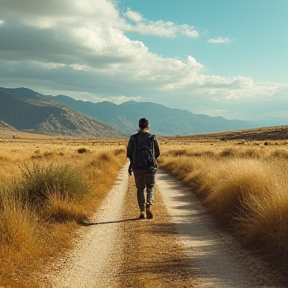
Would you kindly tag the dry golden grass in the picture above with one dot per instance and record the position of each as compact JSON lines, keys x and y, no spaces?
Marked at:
{"x":47,"y":187}
{"x":243,"y":182}
{"x":243,"y":186}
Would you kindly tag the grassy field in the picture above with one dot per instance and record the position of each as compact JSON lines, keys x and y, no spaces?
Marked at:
{"x":242,"y":183}
{"x":48,"y":186}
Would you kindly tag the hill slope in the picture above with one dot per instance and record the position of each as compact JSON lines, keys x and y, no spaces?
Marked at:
{"x":38,"y":114}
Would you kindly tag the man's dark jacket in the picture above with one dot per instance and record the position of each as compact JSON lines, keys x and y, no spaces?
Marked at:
{"x":131,"y":151}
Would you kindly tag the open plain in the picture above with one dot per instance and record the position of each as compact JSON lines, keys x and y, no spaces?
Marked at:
{"x":183,"y":246}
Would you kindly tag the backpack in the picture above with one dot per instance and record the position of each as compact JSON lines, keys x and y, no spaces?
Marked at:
{"x":145,"y":156}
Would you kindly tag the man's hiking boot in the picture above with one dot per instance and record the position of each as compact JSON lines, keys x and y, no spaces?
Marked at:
{"x":148,"y":212}
{"x":142,"y":215}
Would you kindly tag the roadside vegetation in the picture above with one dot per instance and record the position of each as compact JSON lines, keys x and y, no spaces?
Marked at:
{"x":49,"y":186}
{"x":243,"y":185}
{"x":47,"y":189}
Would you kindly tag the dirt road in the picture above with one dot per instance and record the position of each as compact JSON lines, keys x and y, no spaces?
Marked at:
{"x":180,"y":247}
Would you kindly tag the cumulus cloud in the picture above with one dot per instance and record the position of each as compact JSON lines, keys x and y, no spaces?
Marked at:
{"x":134,"y":16}
{"x":160,"y":28}
{"x":221,"y":40}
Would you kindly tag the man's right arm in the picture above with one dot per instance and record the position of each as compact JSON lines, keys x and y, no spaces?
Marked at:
{"x":130,"y":149}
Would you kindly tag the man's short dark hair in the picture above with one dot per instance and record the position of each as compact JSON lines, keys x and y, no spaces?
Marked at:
{"x":143,"y":123}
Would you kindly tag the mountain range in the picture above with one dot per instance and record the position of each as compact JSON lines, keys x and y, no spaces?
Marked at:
{"x":29,"y":111}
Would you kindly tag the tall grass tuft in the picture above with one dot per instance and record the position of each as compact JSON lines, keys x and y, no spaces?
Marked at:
{"x":15,"y":225}
{"x":265,"y":228}
{"x":235,"y":181}
{"x":279,"y":153}
{"x":21,"y":234}
{"x":39,"y":182}
{"x":61,"y":208}
{"x":82,"y":150}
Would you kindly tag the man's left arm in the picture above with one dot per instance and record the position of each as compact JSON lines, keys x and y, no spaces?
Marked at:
{"x":130,"y":150}
{"x":156,"y":147}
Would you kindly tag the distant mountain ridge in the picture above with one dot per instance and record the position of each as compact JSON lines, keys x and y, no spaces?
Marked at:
{"x":26,"y":110}
{"x":163,"y":120}
{"x":116,"y":120}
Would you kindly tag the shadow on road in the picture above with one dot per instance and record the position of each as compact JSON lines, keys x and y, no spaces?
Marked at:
{"x":89,"y":222}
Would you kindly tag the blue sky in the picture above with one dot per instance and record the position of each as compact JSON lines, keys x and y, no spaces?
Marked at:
{"x":224,"y":58}
{"x":254,"y":35}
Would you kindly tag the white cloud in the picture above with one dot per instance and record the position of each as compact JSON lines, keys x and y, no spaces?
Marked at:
{"x":157,"y":28}
{"x":79,"y":48}
{"x":135,"y":16}
{"x":221,"y":40}
{"x":94,"y":98}
{"x":161,"y":29}
{"x":188,"y":31}
{"x":122,"y":99}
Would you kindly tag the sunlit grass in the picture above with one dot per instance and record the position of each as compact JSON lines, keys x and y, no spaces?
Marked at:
{"x":48,"y":189}
{"x":243,"y":187}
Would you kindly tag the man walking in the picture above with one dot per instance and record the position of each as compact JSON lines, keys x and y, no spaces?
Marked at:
{"x":143,"y":151}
